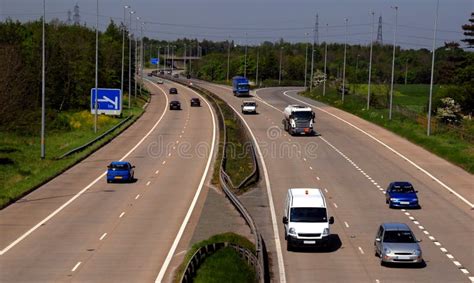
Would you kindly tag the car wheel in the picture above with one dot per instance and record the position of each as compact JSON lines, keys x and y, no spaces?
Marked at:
{"x":390,"y":204}
{"x":288,"y":246}
{"x":382,"y":263}
{"x":108,"y":181}
{"x":386,"y":201}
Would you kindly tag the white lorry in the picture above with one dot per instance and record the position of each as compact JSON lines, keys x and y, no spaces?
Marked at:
{"x":249,"y":106}
{"x":298,"y":120}
{"x":305,"y":218}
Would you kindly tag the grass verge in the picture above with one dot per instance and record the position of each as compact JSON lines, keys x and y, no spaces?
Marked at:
{"x":22,"y":170}
{"x":228,"y":237}
{"x":225,"y":266}
{"x":444,"y":142}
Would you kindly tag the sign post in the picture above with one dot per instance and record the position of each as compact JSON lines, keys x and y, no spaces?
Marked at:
{"x":109,"y":101}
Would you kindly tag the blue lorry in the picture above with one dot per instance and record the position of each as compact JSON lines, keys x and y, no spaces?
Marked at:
{"x":240,"y":86}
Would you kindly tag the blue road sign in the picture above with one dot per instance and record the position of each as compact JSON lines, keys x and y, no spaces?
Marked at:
{"x":109,"y":101}
{"x":155,"y":61}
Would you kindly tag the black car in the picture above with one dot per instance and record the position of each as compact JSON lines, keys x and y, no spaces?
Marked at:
{"x":175,"y":105}
{"x":195,"y":102}
{"x":173,"y":90}
{"x":188,"y":76}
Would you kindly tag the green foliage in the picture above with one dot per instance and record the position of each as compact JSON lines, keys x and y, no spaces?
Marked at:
{"x":228,"y":237}
{"x":70,"y":68}
{"x":225,"y":265}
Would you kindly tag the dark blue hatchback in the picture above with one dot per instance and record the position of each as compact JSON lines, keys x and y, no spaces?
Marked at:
{"x":120,"y":171}
{"x":401,"y":194}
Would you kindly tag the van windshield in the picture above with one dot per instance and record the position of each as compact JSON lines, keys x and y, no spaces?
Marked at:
{"x":308,"y":214}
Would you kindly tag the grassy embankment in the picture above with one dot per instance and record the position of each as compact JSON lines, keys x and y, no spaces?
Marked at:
{"x":21,"y":168}
{"x":454,"y":144}
{"x":223,"y":266}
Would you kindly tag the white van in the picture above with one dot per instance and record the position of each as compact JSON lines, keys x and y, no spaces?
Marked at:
{"x":305,"y":218}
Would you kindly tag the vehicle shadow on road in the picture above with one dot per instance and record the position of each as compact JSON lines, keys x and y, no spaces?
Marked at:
{"x":405,"y":266}
{"x":334,"y":245}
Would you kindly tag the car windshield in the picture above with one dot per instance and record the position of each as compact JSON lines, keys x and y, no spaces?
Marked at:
{"x":249,"y":103}
{"x":308,"y":214}
{"x":119,"y":166}
{"x":302,"y":115}
{"x":398,"y":237}
{"x":403,"y":189}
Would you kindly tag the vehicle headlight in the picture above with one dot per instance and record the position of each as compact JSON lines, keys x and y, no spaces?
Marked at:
{"x":293,"y":124}
{"x":292,"y":231}
{"x":387,"y":251}
{"x":417,"y":252}
{"x":326,"y":231}
{"x":393,"y":199}
{"x":415,"y":199}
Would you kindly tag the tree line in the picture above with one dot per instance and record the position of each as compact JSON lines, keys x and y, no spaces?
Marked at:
{"x":70,"y":69}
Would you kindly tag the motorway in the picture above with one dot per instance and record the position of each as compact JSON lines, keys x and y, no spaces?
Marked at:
{"x":353,"y":161}
{"x":79,"y":228}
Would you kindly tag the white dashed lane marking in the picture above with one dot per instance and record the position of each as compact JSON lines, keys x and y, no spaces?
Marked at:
{"x":346,"y":224}
{"x":76,"y":266}
{"x":148,"y":183}
{"x":102,"y":237}
{"x":122,"y":214}
{"x":361,"y":250}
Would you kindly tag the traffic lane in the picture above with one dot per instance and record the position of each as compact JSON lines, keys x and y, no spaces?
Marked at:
{"x":143,"y":239}
{"x":460,"y":180}
{"x":286,"y":172}
{"x":95,"y":213}
{"x":382,"y":168}
{"x":367,"y":236}
{"x":25,"y":213}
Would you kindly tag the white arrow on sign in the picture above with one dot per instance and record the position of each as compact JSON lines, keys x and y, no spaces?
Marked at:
{"x":106,"y":99}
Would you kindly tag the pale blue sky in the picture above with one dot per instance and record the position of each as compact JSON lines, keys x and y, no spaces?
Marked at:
{"x":266,"y":19}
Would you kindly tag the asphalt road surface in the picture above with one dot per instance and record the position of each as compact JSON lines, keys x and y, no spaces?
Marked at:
{"x":80,"y":228}
{"x":353,"y":161}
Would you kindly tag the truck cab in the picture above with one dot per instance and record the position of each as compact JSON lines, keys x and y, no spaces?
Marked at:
{"x":306,"y":222}
{"x":240,"y":86}
{"x":299,"y":120}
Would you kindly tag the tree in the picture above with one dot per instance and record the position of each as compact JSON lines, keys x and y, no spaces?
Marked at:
{"x":469,"y":32}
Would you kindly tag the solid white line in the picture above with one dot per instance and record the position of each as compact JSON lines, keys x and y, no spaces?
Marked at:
{"x":389,"y":148}
{"x":102,"y":237}
{"x":347,"y":224}
{"x":137,"y":196}
{"x":27,"y":233}
{"x":361,"y":250}
{"x":281,"y":265}
{"x":122,"y":214}
{"x":148,"y":183}
{"x":76,"y":266}
{"x":172,"y":250}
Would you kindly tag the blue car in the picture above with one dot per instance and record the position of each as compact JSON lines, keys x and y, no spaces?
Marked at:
{"x":401,"y":194}
{"x":120,"y":171}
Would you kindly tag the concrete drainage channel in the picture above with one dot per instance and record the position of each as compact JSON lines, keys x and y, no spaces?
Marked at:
{"x":259,"y":260}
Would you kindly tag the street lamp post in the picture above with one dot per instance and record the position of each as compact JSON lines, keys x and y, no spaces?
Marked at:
{"x":96,"y":67}
{"x":172,"y":59}
{"x":123,"y":48}
{"x":344,"y":67}
{"x":370,"y":60}
{"x":393,"y":63}
{"x":43,"y":78}
{"x":306,"y":63}
{"x":130,"y":60}
{"x":142,"y":65}
{"x":428,"y":131}
{"x":279,"y":74}
{"x":325,"y":60}
{"x":228,"y":58}
{"x":256,"y":71}
{"x":245,"y":60}
{"x":136,"y":58}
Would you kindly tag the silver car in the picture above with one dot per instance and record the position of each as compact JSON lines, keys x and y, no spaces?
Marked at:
{"x":396,"y":243}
